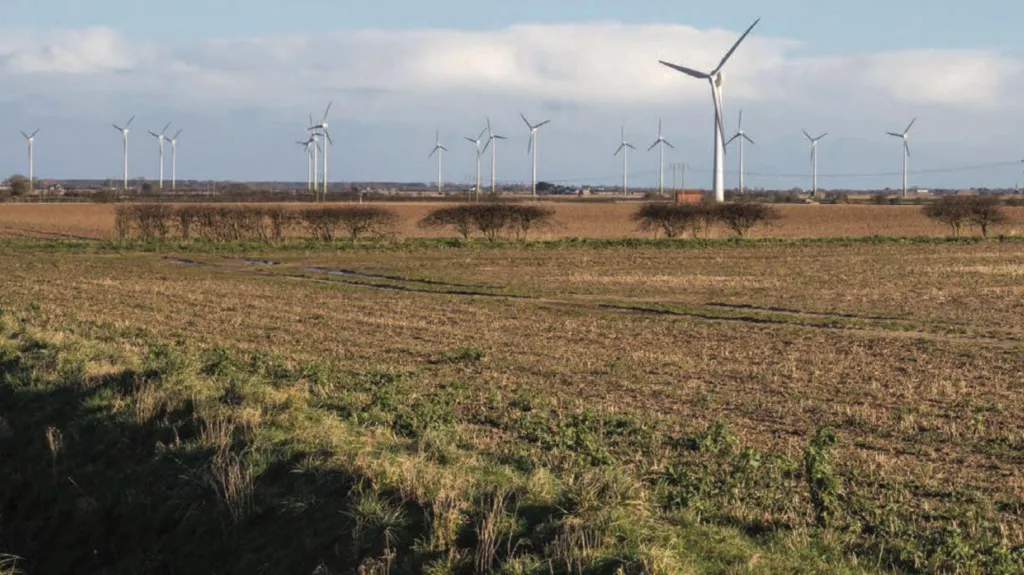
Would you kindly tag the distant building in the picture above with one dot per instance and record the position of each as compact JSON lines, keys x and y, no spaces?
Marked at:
{"x":689,"y":197}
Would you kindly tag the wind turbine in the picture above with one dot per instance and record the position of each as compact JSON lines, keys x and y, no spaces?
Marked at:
{"x":1016,"y":187}
{"x":532,"y":147}
{"x":174,"y":159}
{"x":31,"y":138}
{"x":439,"y":150}
{"x":492,"y":141}
{"x":322,"y":126}
{"x":661,"y":141}
{"x":814,"y":160}
{"x":160,"y":138}
{"x":624,"y":148}
{"x":741,"y":136}
{"x":124,"y":135}
{"x":906,"y":152}
{"x":308,"y":147}
{"x":714,"y":78}
{"x":479,"y":153}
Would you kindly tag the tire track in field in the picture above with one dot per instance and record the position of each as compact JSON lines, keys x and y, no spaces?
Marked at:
{"x":714,"y":311}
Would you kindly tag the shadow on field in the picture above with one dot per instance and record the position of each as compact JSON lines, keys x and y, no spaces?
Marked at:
{"x":84,"y":490}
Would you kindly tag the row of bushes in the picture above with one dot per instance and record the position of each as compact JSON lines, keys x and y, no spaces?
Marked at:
{"x":676,"y":220}
{"x":245,"y":223}
{"x":490,"y":219}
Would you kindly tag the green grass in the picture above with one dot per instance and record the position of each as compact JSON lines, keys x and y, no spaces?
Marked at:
{"x":125,"y":454}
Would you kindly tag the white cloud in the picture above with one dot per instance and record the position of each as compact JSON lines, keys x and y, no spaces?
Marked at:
{"x":585,"y":74}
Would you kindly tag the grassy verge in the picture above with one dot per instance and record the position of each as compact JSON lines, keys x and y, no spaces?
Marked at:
{"x":123,"y":454}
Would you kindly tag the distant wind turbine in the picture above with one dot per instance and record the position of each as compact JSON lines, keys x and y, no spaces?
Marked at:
{"x":160,"y":138}
{"x":322,"y":127}
{"x":439,"y":150}
{"x":814,"y":160}
{"x":479,"y":152}
{"x":307,"y":147}
{"x":662,"y":142}
{"x":905,"y":136}
{"x":714,"y":78}
{"x":492,"y":142}
{"x":532,"y":147}
{"x":124,"y":136}
{"x":1016,"y":186}
{"x":174,"y":159}
{"x":31,"y":139}
{"x":624,"y":148}
{"x":741,"y":136}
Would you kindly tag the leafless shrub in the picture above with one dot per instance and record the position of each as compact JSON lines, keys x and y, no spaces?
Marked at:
{"x":360,"y":221}
{"x":460,"y":218}
{"x":954,"y":211}
{"x":987,"y":211}
{"x":742,"y":217}
{"x":524,"y":218}
{"x":672,"y":220}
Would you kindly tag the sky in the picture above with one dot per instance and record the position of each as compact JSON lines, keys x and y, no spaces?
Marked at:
{"x":240,"y":79}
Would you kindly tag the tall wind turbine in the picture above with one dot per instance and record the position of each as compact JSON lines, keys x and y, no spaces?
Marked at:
{"x":308,"y":146}
{"x":439,"y":150}
{"x":532,"y":147}
{"x":714,"y":78}
{"x":322,"y":127}
{"x":174,"y":159}
{"x":124,"y":136}
{"x":624,"y":148}
{"x":814,"y":160}
{"x":905,"y":136}
{"x":741,"y":136}
{"x":160,"y":138}
{"x":661,"y":141}
{"x":31,"y":138}
{"x":479,"y":153}
{"x":492,"y":141}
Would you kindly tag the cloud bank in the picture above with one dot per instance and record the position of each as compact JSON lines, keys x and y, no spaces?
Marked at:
{"x":590,"y":77}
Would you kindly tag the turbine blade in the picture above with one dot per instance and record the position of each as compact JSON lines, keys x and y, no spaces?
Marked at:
{"x":525,"y":121}
{"x":468,"y":139}
{"x":619,"y":149}
{"x":130,"y":120}
{"x":656,"y":142}
{"x":747,"y":138}
{"x":669,"y":144}
{"x":328,"y":134}
{"x":154,"y":134}
{"x":118,"y":128}
{"x":688,"y":71}
{"x":529,"y":146}
{"x":500,"y":138}
{"x":911,"y":125}
{"x":808,"y":135}
{"x":732,"y":139}
{"x":484,"y":131}
{"x":443,"y":148}
{"x":631,"y":146}
{"x":741,"y":120}
{"x":906,"y":147}
{"x":24,"y":134}
{"x":487,"y":145}
{"x":165,"y":128}
{"x":895,"y":134}
{"x":432,"y":153}
{"x":734,"y":46}
{"x":327,"y":111}
{"x":822,"y":136}
{"x":542,"y":124}
{"x":176,"y":134}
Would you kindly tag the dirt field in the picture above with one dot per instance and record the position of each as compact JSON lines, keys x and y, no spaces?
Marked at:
{"x":571,"y":220}
{"x":665,"y":406}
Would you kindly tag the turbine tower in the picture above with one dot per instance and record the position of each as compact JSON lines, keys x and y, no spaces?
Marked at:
{"x":714,"y":78}
{"x":439,"y":150}
{"x":492,"y":141}
{"x":661,"y":141}
{"x":31,"y":139}
{"x":814,"y":160}
{"x":322,"y":127}
{"x":624,"y":148}
{"x":905,"y":136}
{"x":174,"y":159}
{"x":124,"y":136}
{"x":741,"y":136}
{"x":479,"y":153}
{"x":532,"y":147}
{"x":160,"y":138}
{"x":307,"y":147}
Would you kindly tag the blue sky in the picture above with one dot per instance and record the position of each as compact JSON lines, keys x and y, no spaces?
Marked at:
{"x":240,"y":77}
